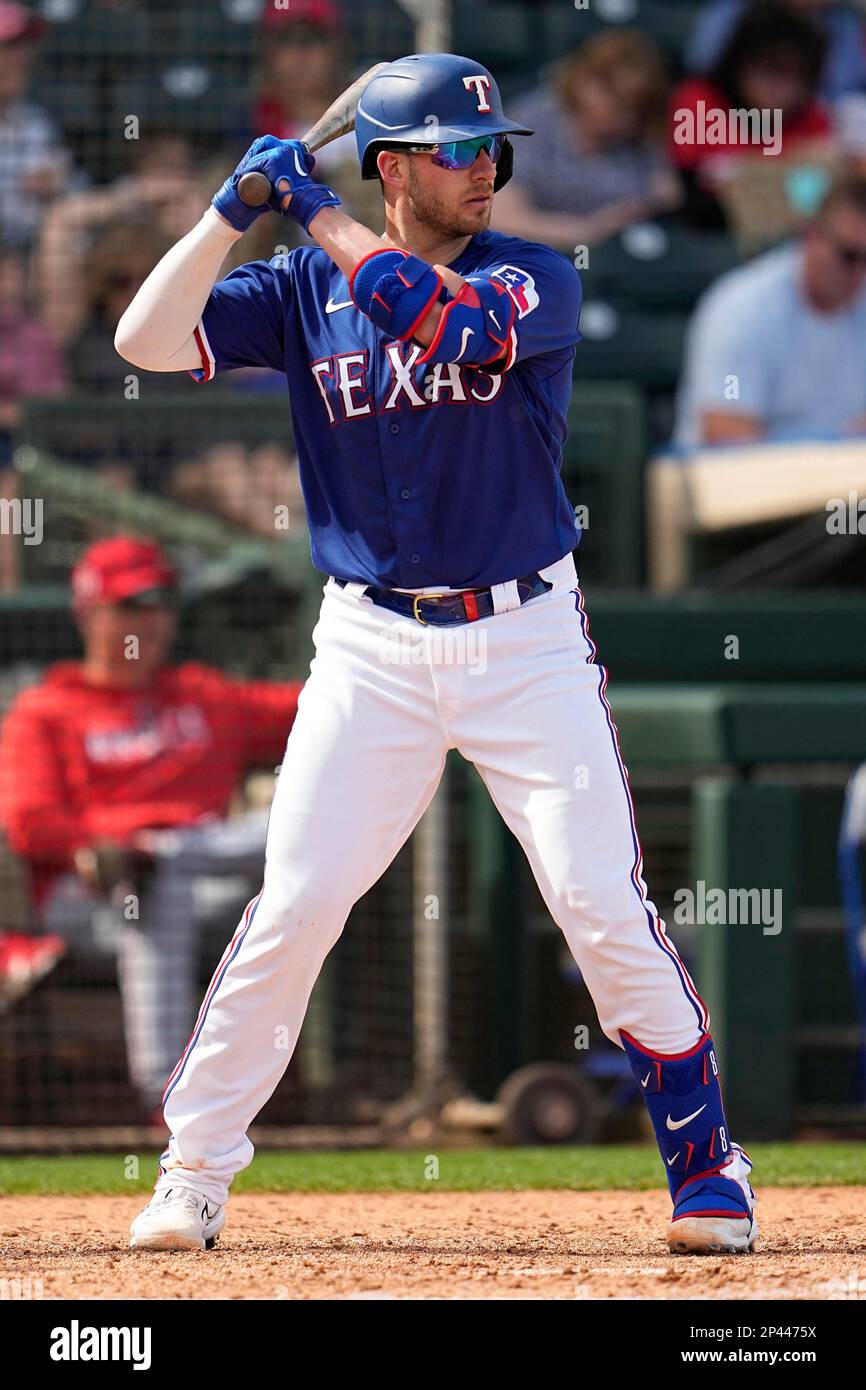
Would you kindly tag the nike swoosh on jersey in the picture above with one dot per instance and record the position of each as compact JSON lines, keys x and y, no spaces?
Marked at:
{"x":678,"y":1124}
{"x":645,"y":1081}
{"x":674,"y":1159}
{"x":495,"y":319}
{"x":331,"y":307}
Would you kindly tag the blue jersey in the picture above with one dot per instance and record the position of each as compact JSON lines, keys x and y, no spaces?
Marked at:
{"x":414,"y":475}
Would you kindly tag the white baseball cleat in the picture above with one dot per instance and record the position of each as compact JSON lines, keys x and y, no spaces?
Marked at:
{"x":715,"y":1214}
{"x":177,"y":1218}
{"x":711,"y":1235}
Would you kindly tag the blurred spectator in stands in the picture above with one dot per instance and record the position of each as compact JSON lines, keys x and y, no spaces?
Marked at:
{"x":30,"y":362}
{"x":257,"y":489}
{"x":118,"y":263}
{"x":844,"y":66}
{"x":116,"y":778}
{"x":775,"y":347}
{"x":30,"y":365}
{"x":302,"y":71}
{"x":303,"y":66}
{"x":771,"y":63}
{"x":24,"y":961}
{"x":596,"y":162}
{"x":34,"y":165}
{"x":158,"y":198}
{"x":851,"y":120}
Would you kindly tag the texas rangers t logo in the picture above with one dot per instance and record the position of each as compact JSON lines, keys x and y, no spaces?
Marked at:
{"x":482,"y":86}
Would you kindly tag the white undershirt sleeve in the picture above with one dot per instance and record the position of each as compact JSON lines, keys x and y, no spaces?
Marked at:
{"x":157,"y":331}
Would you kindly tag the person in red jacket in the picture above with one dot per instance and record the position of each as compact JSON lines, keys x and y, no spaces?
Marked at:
{"x":760,"y":102}
{"x":116,"y":775}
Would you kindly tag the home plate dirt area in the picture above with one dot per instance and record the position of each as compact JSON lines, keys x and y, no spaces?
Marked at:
{"x":442,"y":1245}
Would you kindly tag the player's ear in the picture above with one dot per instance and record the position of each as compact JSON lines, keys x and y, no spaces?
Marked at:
{"x":393,"y":168}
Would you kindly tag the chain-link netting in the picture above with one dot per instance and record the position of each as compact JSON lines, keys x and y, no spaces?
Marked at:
{"x":135,"y":811}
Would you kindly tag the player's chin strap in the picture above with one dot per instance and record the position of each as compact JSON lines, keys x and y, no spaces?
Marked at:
{"x":684,"y":1100}
{"x":397,"y":291}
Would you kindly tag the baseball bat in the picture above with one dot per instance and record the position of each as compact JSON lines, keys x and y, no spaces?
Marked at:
{"x":255,"y":189}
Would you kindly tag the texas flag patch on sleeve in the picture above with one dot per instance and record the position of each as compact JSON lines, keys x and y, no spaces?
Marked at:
{"x":520,"y":286}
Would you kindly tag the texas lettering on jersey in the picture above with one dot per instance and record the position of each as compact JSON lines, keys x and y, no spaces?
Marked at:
{"x":347,"y":393}
{"x":414,"y":475}
{"x":343,"y":378}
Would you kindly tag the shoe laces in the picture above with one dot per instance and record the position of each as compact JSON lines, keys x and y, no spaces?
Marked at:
{"x":184,"y":1197}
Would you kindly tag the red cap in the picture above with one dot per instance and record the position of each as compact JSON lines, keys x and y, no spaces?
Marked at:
{"x":18,"y":23}
{"x":117,"y":569}
{"x":327,"y":14}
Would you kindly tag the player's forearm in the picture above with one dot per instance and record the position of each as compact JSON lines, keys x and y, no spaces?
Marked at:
{"x":155,"y":332}
{"x":730,"y":427}
{"x":60,"y":279}
{"x":517,"y":215}
{"x":347,"y":242}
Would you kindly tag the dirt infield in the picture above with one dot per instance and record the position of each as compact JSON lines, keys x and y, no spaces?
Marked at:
{"x":438,"y":1245}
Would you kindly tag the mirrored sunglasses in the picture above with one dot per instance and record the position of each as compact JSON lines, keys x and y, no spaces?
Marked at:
{"x":462,"y":154}
{"x":150,"y":598}
{"x":854,"y":257}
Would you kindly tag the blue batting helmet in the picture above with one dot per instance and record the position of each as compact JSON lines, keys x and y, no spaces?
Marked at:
{"x":432,"y":99}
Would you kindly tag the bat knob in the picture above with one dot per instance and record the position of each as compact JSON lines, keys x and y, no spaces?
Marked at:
{"x":254,"y":189}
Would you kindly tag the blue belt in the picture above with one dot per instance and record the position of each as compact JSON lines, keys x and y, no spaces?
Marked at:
{"x":449,"y":610}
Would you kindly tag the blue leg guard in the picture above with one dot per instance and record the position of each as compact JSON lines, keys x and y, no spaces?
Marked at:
{"x":707,"y":1173}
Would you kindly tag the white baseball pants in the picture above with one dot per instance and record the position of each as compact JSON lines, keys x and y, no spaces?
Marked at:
{"x":519,"y":695}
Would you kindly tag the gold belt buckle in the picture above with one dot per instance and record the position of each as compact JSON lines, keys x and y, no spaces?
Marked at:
{"x":426,"y":598}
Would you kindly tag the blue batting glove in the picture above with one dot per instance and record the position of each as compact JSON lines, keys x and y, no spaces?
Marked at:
{"x":288,"y":166}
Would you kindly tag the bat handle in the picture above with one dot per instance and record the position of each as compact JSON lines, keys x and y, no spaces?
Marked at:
{"x":254,"y":189}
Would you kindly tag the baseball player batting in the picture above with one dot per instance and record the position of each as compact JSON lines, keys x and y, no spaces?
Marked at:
{"x":429,"y":372}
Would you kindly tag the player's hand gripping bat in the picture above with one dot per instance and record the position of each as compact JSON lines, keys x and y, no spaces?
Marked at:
{"x":254,"y":189}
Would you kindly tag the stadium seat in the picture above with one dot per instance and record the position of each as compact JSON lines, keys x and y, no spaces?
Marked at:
{"x":502,"y":36}
{"x":603,"y":471}
{"x":80,"y":34}
{"x":216,"y":35}
{"x":669,"y":23}
{"x":85,"y":56}
{"x":562,"y":26}
{"x":654,"y":265}
{"x":623,"y":344}
{"x":195,"y":99}
{"x":379,"y":30}
{"x":204,"y":87}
